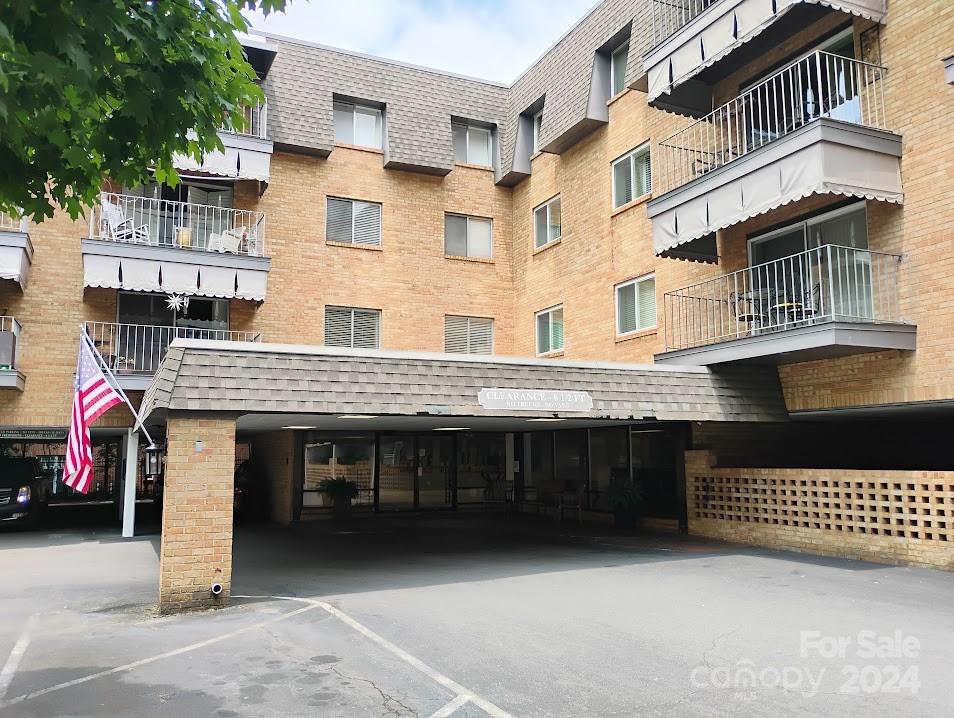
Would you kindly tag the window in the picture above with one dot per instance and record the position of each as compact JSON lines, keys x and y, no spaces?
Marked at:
{"x":546,"y":223}
{"x":636,"y":305}
{"x":353,"y":222}
{"x":357,"y":328}
{"x":358,"y":125}
{"x":472,"y":145}
{"x":468,"y":236}
{"x":537,"y":127}
{"x":618,"y":68}
{"x":550,"y":330}
{"x":468,"y":335}
{"x":632,"y":176}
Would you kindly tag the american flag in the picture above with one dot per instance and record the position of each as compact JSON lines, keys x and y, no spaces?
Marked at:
{"x":94,"y":395}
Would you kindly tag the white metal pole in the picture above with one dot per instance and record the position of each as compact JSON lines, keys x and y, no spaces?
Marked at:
{"x":131,"y":446}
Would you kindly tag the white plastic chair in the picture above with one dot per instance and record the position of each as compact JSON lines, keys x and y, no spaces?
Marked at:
{"x":121,"y":228}
{"x":228,"y":241}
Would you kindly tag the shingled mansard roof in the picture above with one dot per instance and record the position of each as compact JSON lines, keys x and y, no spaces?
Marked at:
{"x":243,"y":378}
{"x":305,"y":78}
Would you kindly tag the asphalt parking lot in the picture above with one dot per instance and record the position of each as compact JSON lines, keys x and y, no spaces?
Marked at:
{"x":470,"y":616}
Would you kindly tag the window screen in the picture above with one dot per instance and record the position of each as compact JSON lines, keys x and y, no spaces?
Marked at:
{"x":353,"y":328}
{"x":468,"y":335}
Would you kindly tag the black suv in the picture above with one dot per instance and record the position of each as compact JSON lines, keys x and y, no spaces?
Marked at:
{"x":23,"y":491}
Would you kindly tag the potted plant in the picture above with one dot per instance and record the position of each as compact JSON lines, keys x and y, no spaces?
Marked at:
{"x":340,"y":491}
{"x":625,"y":499}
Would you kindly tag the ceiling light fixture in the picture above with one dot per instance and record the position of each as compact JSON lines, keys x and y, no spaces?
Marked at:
{"x":452,"y":428}
{"x":303,"y":428}
{"x":357,"y":416}
{"x":547,"y":418}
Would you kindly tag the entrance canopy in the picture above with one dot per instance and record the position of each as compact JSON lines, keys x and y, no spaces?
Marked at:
{"x":428,"y":390}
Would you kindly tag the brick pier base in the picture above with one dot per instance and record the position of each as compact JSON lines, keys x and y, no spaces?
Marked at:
{"x":197,"y":513}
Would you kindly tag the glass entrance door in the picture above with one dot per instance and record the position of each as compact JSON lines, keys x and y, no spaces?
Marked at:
{"x":398,"y":469}
{"x":435,"y":455}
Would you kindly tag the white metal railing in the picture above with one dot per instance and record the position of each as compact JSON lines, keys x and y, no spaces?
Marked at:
{"x":140,"y":348}
{"x":8,"y":344}
{"x":823,"y":284}
{"x":670,"y":15}
{"x":162,"y":223}
{"x":13,"y":224}
{"x":256,"y":121}
{"x":819,"y":85}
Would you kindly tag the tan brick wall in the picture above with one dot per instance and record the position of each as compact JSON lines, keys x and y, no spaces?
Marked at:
{"x":196,"y":547}
{"x":273,"y":453}
{"x":902,"y":517}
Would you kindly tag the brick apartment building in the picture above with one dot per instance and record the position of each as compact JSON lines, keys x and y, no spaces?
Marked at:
{"x":702,"y":245}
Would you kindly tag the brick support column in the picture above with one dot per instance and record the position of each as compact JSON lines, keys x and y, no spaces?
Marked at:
{"x":197,"y":512}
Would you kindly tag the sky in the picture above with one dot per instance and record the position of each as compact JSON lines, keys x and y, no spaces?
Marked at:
{"x":490,"y":39}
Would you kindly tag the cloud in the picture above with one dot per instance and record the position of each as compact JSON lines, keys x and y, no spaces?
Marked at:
{"x":491,"y":39}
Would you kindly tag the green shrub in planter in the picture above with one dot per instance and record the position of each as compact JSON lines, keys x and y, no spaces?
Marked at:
{"x":341,"y":492}
{"x":625,"y":499}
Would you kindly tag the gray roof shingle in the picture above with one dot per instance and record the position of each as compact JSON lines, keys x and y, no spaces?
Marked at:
{"x":253,"y":378}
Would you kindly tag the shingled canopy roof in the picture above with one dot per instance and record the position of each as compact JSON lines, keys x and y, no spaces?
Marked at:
{"x":254,"y":378}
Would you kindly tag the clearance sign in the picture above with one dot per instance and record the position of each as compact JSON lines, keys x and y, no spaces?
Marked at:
{"x":534,"y":400}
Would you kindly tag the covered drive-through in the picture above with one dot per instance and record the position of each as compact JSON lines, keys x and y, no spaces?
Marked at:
{"x":416,"y":432}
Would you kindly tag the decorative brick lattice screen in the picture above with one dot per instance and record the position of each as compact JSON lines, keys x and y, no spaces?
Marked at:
{"x":893,"y":516}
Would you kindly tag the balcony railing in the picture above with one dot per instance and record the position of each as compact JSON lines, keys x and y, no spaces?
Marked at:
{"x":819,"y":85}
{"x":140,"y":348}
{"x":256,"y":121}
{"x":162,"y":223}
{"x":824,"y":284}
{"x":13,"y":224}
{"x":670,"y":15}
{"x":9,"y":336}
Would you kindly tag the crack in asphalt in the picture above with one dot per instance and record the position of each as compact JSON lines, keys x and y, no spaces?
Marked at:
{"x":386,"y":698}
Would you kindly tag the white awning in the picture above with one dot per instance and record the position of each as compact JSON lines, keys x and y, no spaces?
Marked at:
{"x":144,"y":275}
{"x":14,"y":264}
{"x":722,"y":28}
{"x":825,"y":159}
{"x":244,"y":158}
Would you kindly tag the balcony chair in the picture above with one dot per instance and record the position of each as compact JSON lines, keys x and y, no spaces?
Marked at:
{"x":120,"y":228}
{"x":750,"y":308}
{"x":228,"y":241}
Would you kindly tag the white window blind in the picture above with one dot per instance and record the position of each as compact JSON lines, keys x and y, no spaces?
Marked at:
{"x":632,"y":176}
{"x":468,"y":236}
{"x":618,"y":68}
{"x":550,"y":330}
{"x":472,"y":145}
{"x":468,"y":335}
{"x":358,"y":125}
{"x":547,"y":222}
{"x":636,"y":305}
{"x":353,"y":222}
{"x":353,"y":328}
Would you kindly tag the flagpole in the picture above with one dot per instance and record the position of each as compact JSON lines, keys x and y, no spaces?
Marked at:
{"x":84,"y":337}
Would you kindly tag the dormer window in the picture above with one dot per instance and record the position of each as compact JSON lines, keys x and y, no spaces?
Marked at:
{"x":537,"y":127}
{"x":618,"y":60}
{"x":360,"y":125}
{"x":472,"y":145}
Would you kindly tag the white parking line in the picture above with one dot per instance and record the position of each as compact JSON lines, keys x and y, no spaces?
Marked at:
{"x":448,"y":710}
{"x":9,"y":669}
{"x":153,"y":659}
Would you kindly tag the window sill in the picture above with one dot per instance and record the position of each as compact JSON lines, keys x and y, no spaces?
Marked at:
{"x":545,"y":247}
{"x":477,"y":260}
{"x":642,"y":199}
{"x":555,"y":354}
{"x":468,"y":165}
{"x":359,"y":148}
{"x":351,"y":245}
{"x":622,"y":93}
{"x":638,"y":334}
{"x":534,"y":155}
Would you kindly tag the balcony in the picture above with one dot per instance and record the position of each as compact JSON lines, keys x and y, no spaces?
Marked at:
{"x":825,"y":302}
{"x":134,"y":351}
{"x":699,"y":42}
{"x":155,"y":245}
{"x":818,"y":126}
{"x":247,"y":154}
{"x":16,"y":250}
{"x":10,"y":375}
